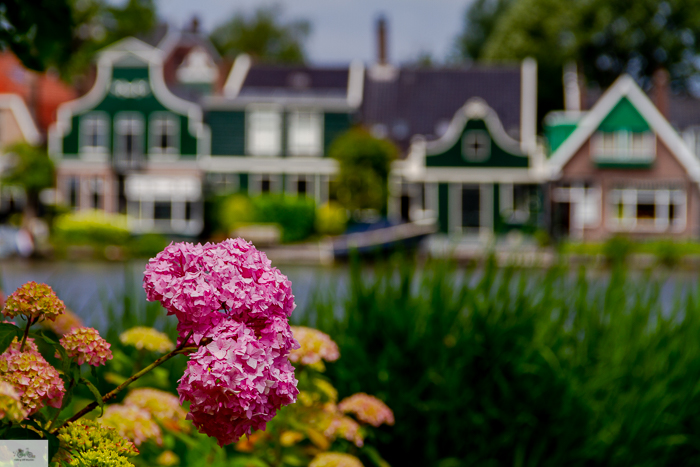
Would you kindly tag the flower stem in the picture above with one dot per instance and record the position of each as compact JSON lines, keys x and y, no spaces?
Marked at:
{"x":111,"y":394}
{"x":26,"y":334}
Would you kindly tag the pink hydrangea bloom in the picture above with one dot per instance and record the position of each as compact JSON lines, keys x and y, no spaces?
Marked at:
{"x":236,"y":383}
{"x":33,"y":301}
{"x":87,"y":345}
{"x":36,"y":381}
{"x":367,"y":409}
{"x":205,"y":284}
{"x":229,"y":294}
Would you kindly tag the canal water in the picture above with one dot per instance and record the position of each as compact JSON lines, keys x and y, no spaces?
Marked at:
{"x":90,"y":288}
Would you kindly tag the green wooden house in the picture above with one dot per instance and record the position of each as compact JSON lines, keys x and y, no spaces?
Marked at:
{"x":272,"y":127}
{"x":477,"y":179}
{"x":131,"y":146}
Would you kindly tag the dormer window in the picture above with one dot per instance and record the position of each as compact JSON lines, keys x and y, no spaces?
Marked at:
{"x":305,"y":137}
{"x":264,"y":133}
{"x":163,"y":133}
{"x":624,"y":147}
{"x":94,"y":131}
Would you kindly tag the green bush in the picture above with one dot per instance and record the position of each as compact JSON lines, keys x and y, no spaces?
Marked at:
{"x":91,"y":228}
{"x":295,"y":215}
{"x":147,"y":245}
{"x":331,"y":219}
{"x":617,"y":249}
{"x":508,"y":368}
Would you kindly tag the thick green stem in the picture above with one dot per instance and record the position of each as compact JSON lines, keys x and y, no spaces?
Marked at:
{"x":111,"y":394}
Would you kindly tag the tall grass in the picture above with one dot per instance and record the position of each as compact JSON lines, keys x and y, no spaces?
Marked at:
{"x":507,"y":367}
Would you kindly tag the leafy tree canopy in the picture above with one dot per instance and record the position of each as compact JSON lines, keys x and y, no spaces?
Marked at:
{"x":263,"y":35}
{"x":605,"y":37}
{"x":364,"y":162}
{"x":30,"y":168}
{"x":65,"y":34}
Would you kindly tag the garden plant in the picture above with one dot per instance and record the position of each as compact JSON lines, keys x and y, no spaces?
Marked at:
{"x":232,"y":309}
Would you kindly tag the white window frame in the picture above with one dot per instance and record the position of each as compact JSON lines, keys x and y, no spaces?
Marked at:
{"x":619,"y":146}
{"x":585,"y":202}
{"x":296,"y":133}
{"x":292,"y":185}
{"x":163,"y":119}
{"x":119,"y":120}
{"x":663,"y":198}
{"x":100,"y":120}
{"x":254,"y":133}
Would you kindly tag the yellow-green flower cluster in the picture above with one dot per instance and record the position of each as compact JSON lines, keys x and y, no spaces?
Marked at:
{"x":33,"y":301}
{"x":314,"y":347}
{"x":367,"y":409}
{"x":85,"y":443}
{"x":144,"y":338}
{"x":167,"y":459}
{"x":133,"y":423}
{"x":163,"y":406}
{"x":335,"y":459}
{"x":11,"y":407}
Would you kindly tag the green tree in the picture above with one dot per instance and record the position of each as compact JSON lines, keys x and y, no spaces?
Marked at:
{"x":30,"y":169}
{"x":479,"y":22}
{"x":65,"y":34}
{"x":605,"y":37}
{"x":364,"y":162}
{"x":263,"y":35}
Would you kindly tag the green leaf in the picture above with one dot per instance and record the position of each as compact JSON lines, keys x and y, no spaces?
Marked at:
{"x":95,"y":392}
{"x":7,"y":333}
{"x":375,"y":457}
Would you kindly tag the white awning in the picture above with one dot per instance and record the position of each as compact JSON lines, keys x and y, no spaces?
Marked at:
{"x":151,"y":187}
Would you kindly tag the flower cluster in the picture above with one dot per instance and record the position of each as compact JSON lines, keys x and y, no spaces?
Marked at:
{"x":87,"y":346}
{"x":33,"y":301}
{"x":314,"y":346}
{"x":228,"y":295}
{"x":167,"y":459}
{"x":64,"y":323}
{"x":163,"y":406}
{"x":367,"y":409}
{"x":133,"y":423}
{"x":335,"y":459}
{"x":87,"y":443}
{"x":144,"y":338}
{"x":236,"y":383}
{"x":36,"y":381}
{"x":11,"y":407}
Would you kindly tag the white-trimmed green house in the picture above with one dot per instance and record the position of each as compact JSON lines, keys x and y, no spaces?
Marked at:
{"x":476,"y":180}
{"x":621,"y":168}
{"x":131,"y":146}
{"x":273,"y":125}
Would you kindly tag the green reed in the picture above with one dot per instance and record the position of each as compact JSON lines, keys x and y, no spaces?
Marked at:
{"x":509,"y":367}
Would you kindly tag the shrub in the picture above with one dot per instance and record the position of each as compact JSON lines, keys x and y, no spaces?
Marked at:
{"x":296,"y":215}
{"x":91,"y":228}
{"x":331,"y":219}
{"x":235,"y":210}
{"x":617,"y":249}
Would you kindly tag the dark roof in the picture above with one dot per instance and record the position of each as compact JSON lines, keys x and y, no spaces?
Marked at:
{"x":424,"y":101}
{"x":684,"y":111}
{"x":295,"y":80}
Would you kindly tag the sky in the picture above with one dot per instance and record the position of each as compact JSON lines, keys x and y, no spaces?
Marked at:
{"x":343,"y":30}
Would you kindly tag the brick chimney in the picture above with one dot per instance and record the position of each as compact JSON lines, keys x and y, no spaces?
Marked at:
{"x":660,"y":90}
{"x":382,"y":58}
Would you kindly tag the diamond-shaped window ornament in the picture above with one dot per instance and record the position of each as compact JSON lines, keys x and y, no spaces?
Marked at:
{"x":476,"y":145}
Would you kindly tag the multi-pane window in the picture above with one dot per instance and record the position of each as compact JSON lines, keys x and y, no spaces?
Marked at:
{"x":94,"y":132}
{"x":163,"y":132}
{"x":305,"y":133}
{"x":128,"y":130}
{"x":652,"y":209}
{"x":623,"y":146}
{"x":74,"y":192}
{"x":96,"y":190}
{"x":264,"y":132}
